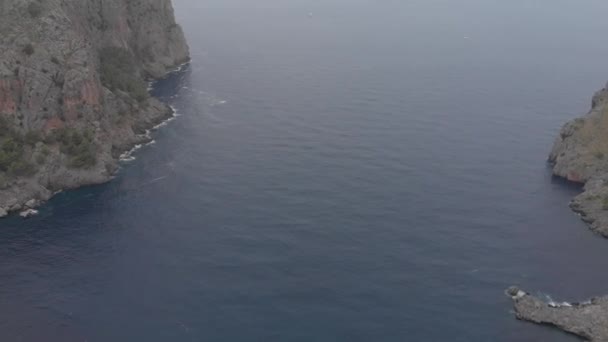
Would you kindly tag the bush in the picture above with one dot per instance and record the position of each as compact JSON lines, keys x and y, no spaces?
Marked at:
{"x":118,"y":72}
{"x":78,"y":146}
{"x":34,"y":9}
{"x":3,"y":181}
{"x":11,"y":158}
{"x":29,"y":49}
{"x":12,"y":152}
{"x":21,"y":168}
{"x":605,"y":203}
{"x":32,"y":137}
{"x":45,"y":150}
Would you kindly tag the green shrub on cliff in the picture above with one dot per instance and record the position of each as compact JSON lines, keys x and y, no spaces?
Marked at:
{"x":32,"y":137}
{"x":605,"y":203}
{"x":79,"y":146}
{"x":12,"y":152}
{"x":21,"y":168}
{"x":118,"y":72}
{"x":11,"y":157}
{"x":29,"y":49}
{"x":34,"y":9}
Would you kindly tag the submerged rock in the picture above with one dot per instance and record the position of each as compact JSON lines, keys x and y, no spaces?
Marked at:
{"x":588,"y":320}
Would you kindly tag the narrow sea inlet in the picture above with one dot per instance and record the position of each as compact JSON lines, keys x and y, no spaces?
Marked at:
{"x":373,"y":172}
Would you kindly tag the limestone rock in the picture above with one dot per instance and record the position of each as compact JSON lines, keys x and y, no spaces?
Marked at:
{"x":33,"y":203}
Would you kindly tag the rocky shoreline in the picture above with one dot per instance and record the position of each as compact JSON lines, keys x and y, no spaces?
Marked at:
{"x":580,"y":155}
{"x":588,"y":320}
{"x":28,"y":208}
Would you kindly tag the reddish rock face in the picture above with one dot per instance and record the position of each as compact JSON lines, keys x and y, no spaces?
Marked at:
{"x":53,"y":124}
{"x":574,"y":177}
{"x":90,"y":94}
{"x":9,"y":90}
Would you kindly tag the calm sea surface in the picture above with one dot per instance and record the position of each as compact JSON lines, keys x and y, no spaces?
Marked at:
{"x":373,"y":172}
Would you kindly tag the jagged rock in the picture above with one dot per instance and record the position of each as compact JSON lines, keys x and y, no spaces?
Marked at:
{"x":588,"y":320}
{"x":33,"y":203}
{"x":3,"y":213}
{"x":515,"y":292}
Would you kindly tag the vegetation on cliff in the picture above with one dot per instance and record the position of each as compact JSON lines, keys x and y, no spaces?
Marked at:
{"x":118,"y":72}
{"x":78,"y":146}
{"x":12,"y":152}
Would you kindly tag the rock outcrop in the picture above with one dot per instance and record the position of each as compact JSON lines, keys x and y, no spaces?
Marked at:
{"x":580,"y":154}
{"x":588,"y":320}
{"x":72,"y":89}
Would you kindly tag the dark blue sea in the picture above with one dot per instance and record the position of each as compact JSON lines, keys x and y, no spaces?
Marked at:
{"x":339,"y":170}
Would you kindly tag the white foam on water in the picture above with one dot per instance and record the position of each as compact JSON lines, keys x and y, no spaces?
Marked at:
{"x":128,"y":156}
{"x":157,"y":179}
{"x":164,"y":123}
{"x":126,"y":159}
{"x":555,"y":304}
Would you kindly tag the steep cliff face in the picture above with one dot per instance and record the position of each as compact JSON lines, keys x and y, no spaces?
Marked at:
{"x":72,"y":90}
{"x":580,"y":154}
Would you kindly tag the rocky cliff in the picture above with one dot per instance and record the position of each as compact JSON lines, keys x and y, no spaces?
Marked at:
{"x":73,"y":94}
{"x":580,"y":154}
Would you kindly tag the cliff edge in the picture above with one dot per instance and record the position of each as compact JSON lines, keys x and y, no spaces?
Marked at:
{"x":73,"y":94}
